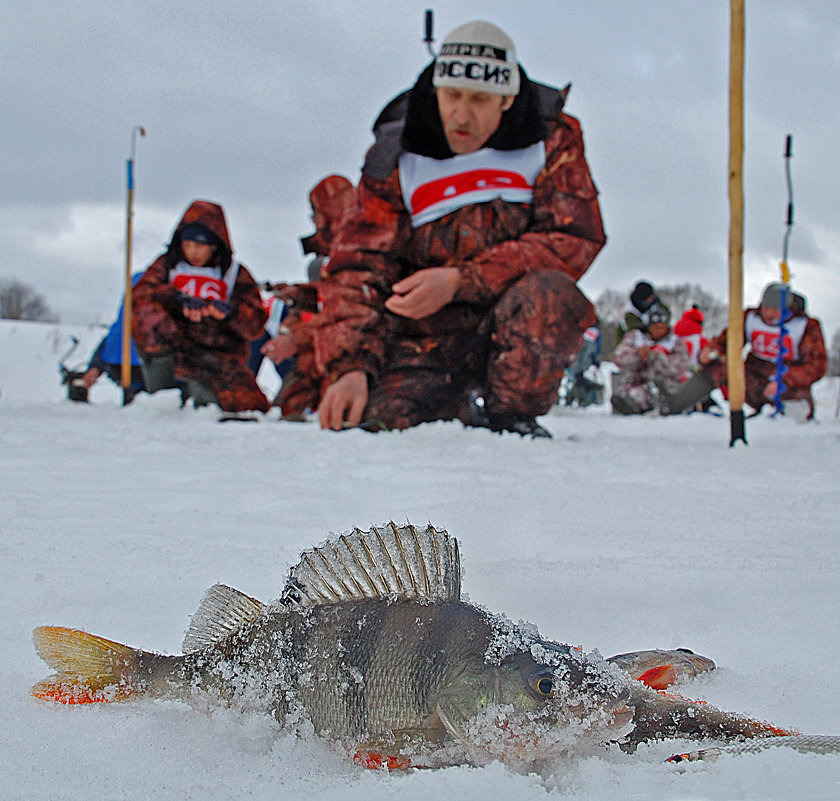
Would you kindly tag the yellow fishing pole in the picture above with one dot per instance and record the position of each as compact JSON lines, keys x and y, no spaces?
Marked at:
{"x":735,"y":329}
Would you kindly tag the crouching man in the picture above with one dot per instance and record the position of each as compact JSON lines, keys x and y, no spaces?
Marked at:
{"x":450,"y":289}
{"x":651,"y":356}
{"x":805,"y":356}
{"x":195,"y":310}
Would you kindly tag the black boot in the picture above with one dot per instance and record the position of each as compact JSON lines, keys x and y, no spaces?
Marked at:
{"x":158,"y":371}
{"x":504,"y":421}
{"x":201,"y":396}
{"x":623,"y":404}
{"x":687,"y":395}
{"x":523,"y":425}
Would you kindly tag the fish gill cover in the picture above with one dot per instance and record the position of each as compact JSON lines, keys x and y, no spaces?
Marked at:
{"x":581,"y":718}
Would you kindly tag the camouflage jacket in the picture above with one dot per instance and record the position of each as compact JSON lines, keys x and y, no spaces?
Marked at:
{"x":811,"y":365}
{"x":492,"y":243}
{"x":668,"y":360}
{"x":157,"y":315}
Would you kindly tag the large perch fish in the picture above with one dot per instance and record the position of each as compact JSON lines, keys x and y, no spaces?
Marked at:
{"x":371,"y":643}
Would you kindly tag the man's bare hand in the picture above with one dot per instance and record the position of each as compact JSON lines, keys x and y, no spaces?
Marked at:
{"x":90,"y":376}
{"x":196,"y":314}
{"x":709,"y":353}
{"x":423,"y":293}
{"x":344,"y":401}
{"x":193,"y":315}
{"x":214,"y":311}
{"x":279,"y":348}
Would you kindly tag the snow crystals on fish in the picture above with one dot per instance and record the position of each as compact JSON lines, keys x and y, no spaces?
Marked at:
{"x":371,"y":647}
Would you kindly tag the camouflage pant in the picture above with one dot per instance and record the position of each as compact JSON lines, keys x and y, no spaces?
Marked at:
{"x":301,"y":389}
{"x":515,"y":358}
{"x":757,"y":374}
{"x":225,"y":375}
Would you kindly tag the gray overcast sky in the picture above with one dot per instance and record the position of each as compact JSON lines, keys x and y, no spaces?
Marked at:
{"x":251,"y":104}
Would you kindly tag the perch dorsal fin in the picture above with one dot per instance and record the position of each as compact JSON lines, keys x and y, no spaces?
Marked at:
{"x":391,"y":562}
{"x":222,"y":611}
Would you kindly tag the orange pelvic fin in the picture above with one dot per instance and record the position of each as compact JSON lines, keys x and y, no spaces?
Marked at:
{"x":376,"y":761}
{"x":776,"y":731}
{"x":90,"y":669}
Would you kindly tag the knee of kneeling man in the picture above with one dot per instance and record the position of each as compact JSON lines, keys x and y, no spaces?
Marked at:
{"x":544,"y":280}
{"x":553,"y":293}
{"x":554,"y":287}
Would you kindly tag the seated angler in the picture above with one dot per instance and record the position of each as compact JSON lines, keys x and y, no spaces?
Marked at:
{"x":650,"y":357}
{"x":195,"y":311}
{"x":639,"y":302}
{"x":805,"y":359}
{"x":107,"y":359}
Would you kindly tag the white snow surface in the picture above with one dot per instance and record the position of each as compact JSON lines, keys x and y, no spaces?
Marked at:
{"x":618,"y":534}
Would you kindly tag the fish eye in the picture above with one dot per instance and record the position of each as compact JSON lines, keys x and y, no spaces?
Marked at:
{"x":541,"y":681}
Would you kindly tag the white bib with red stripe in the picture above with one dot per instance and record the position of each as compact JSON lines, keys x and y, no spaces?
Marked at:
{"x":432,"y":188}
{"x":764,"y":339}
{"x":664,"y":345}
{"x":591,"y":334}
{"x":693,"y":343}
{"x":207,"y":283}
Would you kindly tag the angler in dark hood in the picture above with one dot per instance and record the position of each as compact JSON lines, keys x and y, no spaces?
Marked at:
{"x":194,"y":312}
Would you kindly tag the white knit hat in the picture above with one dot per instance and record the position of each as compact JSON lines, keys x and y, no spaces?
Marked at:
{"x":478,"y":56}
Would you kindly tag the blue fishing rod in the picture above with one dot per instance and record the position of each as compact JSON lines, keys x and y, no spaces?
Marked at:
{"x":778,"y":405}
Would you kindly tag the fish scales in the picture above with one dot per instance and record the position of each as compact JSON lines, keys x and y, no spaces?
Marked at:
{"x":339,"y":663}
{"x":336,"y":662}
{"x":357,"y":650}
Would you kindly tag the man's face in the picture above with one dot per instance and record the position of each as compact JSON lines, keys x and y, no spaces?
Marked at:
{"x":770,"y":314}
{"x":197,"y":253}
{"x":658,"y":330}
{"x":470,"y":118}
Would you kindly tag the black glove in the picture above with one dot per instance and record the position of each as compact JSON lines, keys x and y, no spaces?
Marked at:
{"x":189,"y":302}
{"x":224,"y":306}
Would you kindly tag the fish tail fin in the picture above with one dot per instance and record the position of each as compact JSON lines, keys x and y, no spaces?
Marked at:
{"x":89,"y":669}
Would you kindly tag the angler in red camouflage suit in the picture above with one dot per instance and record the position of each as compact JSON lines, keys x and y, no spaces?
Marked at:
{"x":331,"y":199}
{"x":201,"y":315}
{"x":457,"y":271}
{"x":806,"y":360}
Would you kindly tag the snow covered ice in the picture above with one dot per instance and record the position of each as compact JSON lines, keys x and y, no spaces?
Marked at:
{"x":618,"y":534}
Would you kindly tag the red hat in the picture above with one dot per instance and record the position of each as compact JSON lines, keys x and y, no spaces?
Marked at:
{"x":694,"y":314}
{"x":690,"y":323}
